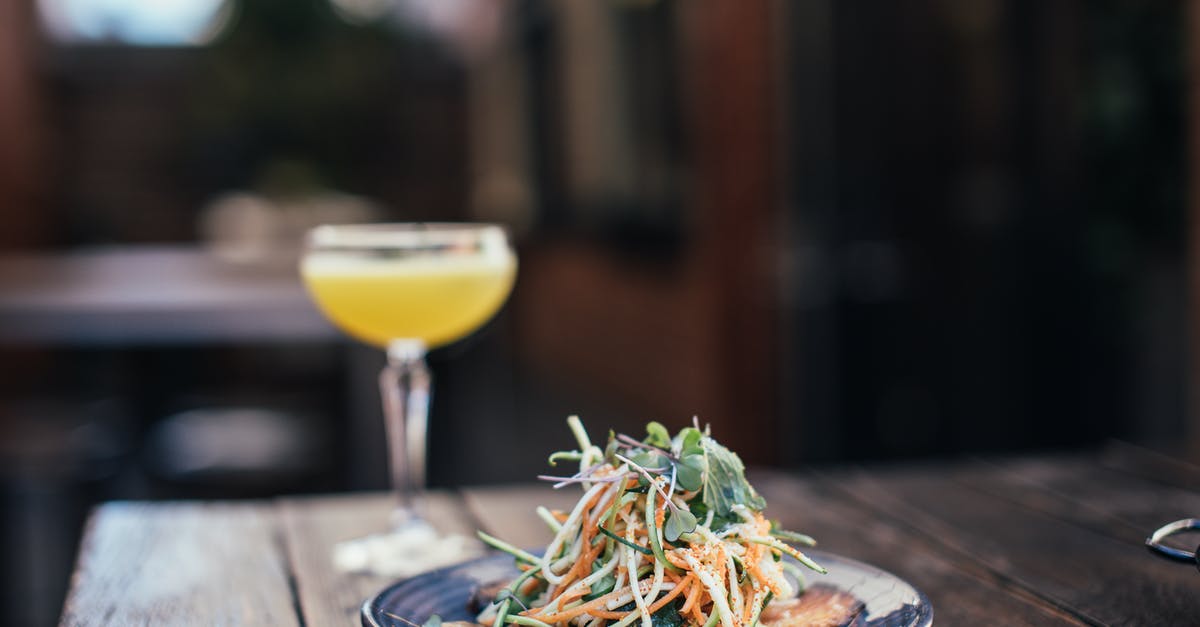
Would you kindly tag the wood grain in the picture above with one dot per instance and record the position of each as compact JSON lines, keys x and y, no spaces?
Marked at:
{"x":181,"y":564}
{"x":314,"y":525}
{"x":961,"y":593}
{"x":1078,"y":490}
{"x":510,"y":512}
{"x":1094,"y":576}
{"x":1151,"y":465}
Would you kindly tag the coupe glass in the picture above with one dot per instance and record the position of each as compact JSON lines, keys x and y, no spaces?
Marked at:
{"x":407,"y":288}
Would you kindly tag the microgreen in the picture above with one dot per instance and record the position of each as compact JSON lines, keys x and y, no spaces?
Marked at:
{"x":657,"y":435}
{"x":685,"y":489}
{"x":678,"y":523}
{"x":570,"y":456}
{"x":725,"y":482}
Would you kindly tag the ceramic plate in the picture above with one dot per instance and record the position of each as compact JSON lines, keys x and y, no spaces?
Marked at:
{"x":882,"y":598}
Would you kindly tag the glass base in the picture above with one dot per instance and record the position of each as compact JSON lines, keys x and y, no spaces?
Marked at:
{"x":411,"y":548}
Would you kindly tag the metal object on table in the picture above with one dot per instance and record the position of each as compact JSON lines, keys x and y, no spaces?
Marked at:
{"x":1156,"y":546}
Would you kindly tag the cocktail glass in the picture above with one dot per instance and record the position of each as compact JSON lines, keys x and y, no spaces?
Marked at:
{"x":407,"y":288}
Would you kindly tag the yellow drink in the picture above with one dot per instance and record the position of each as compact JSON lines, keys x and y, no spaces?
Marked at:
{"x":435,"y":299}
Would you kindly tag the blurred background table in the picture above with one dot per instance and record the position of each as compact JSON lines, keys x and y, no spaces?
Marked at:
{"x":1031,"y":540}
{"x":147,"y":295}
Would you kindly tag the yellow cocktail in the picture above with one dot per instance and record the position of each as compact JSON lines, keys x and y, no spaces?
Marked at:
{"x":437,"y":299}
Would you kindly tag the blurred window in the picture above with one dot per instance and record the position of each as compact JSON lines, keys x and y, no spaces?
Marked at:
{"x":135,"y":22}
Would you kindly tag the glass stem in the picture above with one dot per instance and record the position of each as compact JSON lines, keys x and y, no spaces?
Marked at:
{"x":405,"y":386}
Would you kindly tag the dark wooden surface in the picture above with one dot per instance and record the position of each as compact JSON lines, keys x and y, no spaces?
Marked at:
{"x":1032,"y":540}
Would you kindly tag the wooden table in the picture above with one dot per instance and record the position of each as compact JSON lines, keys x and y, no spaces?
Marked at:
{"x":1035,"y":540}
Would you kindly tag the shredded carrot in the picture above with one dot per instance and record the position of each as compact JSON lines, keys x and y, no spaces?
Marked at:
{"x":529,"y":586}
{"x":579,"y":568}
{"x":594,"y":607}
{"x":666,"y":598}
{"x":566,"y":582}
{"x":569,"y":596}
{"x":692,"y":595}
{"x":676,"y":561}
{"x":565,"y":615}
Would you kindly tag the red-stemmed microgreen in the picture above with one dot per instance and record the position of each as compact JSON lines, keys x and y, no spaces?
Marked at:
{"x":681,"y":521}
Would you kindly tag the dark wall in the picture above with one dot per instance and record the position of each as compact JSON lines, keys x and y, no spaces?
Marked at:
{"x":987,"y":220}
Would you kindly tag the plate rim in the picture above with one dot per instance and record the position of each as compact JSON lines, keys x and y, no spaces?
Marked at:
{"x":924,"y":617}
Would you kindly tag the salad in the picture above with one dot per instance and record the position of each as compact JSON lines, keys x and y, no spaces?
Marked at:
{"x":667,"y":533}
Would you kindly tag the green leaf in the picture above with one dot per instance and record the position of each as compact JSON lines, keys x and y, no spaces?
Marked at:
{"x":602,"y":587}
{"x":680,"y":522}
{"x":651,"y":461}
{"x":657,"y":435}
{"x":668,"y":615}
{"x":725,"y":482}
{"x":689,"y":441}
{"x":719,"y":523}
{"x":689,"y":472}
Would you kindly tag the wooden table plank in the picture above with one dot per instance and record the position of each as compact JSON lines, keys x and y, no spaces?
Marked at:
{"x":1151,"y":465}
{"x":960,"y":596}
{"x":181,"y":564}
{"x":314,"y":525}
{"x":1086,"y":493}
{"x":1094,"y":576}
{"x":508,"y":512}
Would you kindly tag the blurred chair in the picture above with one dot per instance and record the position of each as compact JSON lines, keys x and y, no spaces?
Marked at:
{"x":235,"y":452}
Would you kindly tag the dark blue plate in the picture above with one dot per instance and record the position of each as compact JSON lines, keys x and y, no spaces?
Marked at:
{"x":888,"y":601}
